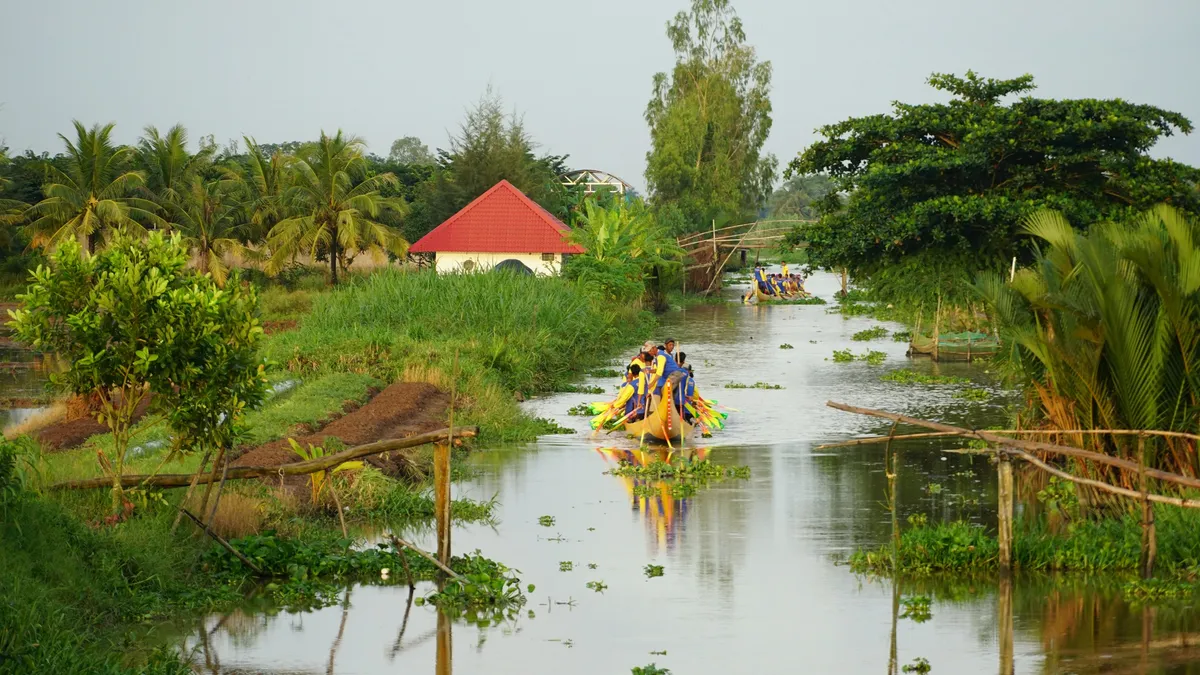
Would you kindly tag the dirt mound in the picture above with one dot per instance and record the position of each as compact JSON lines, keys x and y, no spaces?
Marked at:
{"x":78,"y":427}
{"x":403,"y":409}
{"x":273,"y":327}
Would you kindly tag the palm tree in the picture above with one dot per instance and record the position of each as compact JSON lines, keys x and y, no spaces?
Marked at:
{"x":334,"y":205}
{"x":168,"y":166}
{"x":1106,"y":328}
{"x":92,"y":197}
{"x":12,"y":211}
{"x":260,"y":184}
{"x":208,"y":218}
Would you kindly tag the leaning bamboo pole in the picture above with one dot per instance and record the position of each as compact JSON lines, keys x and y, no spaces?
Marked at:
{"x":1031,"y":446}
{"x":296,"y":469}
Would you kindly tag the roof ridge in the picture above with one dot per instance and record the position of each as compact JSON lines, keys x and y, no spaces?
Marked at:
{"x":451,"y":232}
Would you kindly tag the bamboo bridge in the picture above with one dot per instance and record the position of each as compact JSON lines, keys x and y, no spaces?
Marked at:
{"x":707,"y":253}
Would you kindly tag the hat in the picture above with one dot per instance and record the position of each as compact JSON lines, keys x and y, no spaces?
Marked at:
{"x":647,"y":345}
{"x":670,"y":340}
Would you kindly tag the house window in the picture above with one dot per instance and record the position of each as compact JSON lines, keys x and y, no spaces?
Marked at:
{"x":548,"y":257}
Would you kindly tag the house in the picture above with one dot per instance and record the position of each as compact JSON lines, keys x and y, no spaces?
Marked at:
{"x":502,"y":227}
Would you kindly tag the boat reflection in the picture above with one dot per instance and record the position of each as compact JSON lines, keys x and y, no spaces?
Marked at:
{"x":661,"y":509}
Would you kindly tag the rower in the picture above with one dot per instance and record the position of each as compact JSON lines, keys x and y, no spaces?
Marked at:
{"x":669,"y":347}
{"x":632,"y":391}
{"x":785,"y":269}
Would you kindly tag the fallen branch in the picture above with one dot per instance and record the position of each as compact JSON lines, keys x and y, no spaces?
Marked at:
{"x":296,"y":469}
{"x":228,"y":547}
{"x":400,"y":545}
{"x":1036,"y":446}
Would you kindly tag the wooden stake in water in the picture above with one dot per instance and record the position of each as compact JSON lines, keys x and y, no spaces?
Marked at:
{"x":1005,"y":511}
{"x":891,"y":471}
{"x":1004,"y":622}
{"x":445,"y":646}
{"x":441,"y":478}
{"x":1149,"y":539}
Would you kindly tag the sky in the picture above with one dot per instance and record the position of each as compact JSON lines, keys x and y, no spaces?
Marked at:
{"x":579,"y":72}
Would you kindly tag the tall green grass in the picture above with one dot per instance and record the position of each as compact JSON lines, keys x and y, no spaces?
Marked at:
{"x":1105,"y":545}
{"x":512,"y":334}
{"x":75,"y":600}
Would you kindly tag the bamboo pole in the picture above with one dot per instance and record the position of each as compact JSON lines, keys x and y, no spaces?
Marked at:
{"x":892,"y":471}
{"x":1032,"y":446}
{"x":1004,"y":534}
{"x":212,"y":478}
{"x":1019,"y":432}
{"x":1149,"y":539}
{"x":228,"y":547}
{"x":1005,"y":624}
{"x":294,"y":469}
{"x":441,"y":477}
{"x":220,"y":489}
{"x":398,"y":543}
{"x":191,"y":488}
{"x":445,"y":650}
{"x":337,"y":502}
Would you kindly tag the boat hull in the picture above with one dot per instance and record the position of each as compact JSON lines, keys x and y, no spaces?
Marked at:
{"x":663,"y":425}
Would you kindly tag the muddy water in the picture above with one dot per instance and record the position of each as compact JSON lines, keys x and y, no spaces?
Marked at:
{"x":22,"y":376}
{"x":752,"y":579}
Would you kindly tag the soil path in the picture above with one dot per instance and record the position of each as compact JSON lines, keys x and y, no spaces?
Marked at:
{"x":79,"y":427}
{"x":403,"y":409}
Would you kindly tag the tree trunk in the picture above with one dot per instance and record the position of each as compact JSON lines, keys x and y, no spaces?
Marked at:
{"x":333,"y":260}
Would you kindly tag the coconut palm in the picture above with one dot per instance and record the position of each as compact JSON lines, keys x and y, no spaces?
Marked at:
{"x":93,"y":196}
{"x":209,"y":219}
{"x":167,"y":163}
{"x":334,"y":206}
{"x":12,"y":211}
{"x":260,"y":184}
{"x":1106,"y":327}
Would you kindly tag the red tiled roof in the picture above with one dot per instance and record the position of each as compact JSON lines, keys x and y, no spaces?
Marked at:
{"x":501,"y":220}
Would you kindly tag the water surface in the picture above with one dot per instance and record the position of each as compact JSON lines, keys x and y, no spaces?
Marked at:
{"x":753,"y":581}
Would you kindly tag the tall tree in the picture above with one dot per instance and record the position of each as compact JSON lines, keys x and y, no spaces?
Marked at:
{"x":209,"y":219}
{"x":410,"y":150}
{"x":335,"y":206}
{"x":931,"y":183}
{"x":92,"y":196}
{"x":800,"y":196}
{"x":259,"y":182}
{"x":12,"y":211}
{"x":168,"y":164}
{"x":491,"y":146}
{"x":709,"y":118}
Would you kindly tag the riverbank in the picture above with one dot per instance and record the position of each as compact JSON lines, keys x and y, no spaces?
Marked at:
{"x":375,"y":358}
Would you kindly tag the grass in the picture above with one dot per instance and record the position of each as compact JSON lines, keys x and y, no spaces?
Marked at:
{"x":1107,"y":545}
{"x":872,"y":333}
{"x":511,"y":333}
{"x":810,"y":300}
{"x":756,"y":385}
{"x":871,"y":356}
{"x":906,"y":376}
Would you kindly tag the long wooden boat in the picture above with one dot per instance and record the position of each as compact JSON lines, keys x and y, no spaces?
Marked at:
{"x":663,"y":424}
{"x":964,"y":346}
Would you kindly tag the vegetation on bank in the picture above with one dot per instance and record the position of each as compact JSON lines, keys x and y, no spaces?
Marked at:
{"x":940,"y":201}
{"x":1104,"y":329}
{"x":1083,"y":545}
{"x":511,"y":333}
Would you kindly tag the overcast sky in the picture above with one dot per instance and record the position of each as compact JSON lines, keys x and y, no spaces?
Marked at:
{"x":580,"y":72}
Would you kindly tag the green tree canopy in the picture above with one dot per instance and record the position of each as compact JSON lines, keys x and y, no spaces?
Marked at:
{"x":335,"y":206}
{"x":491,"y":146}
{"x":131,"y":321}
{"x":410,"y":150}
{"x":800,"y":196}
{"x":709,"y":118}
{"x":956,"y":179}
{"x":92,"y":196}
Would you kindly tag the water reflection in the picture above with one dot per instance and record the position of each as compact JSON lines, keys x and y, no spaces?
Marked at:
{"x":654,"y":500}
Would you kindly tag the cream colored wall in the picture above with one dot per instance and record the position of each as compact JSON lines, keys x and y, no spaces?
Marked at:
{"x":453,"y":262}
